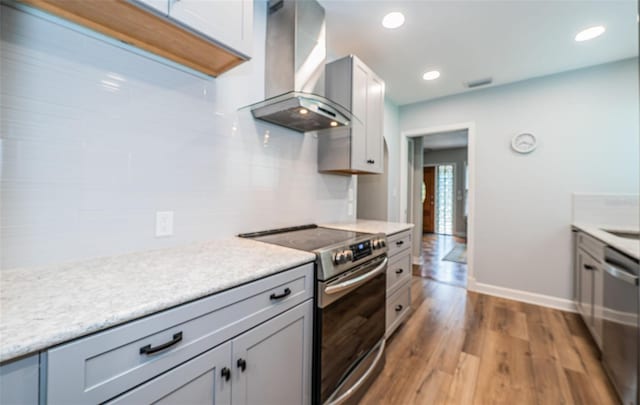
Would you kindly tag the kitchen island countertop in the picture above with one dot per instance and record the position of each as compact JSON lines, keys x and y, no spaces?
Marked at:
{"x":44,"y":306}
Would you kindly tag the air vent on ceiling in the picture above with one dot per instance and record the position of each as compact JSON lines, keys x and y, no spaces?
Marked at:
{"x":478,"y":83}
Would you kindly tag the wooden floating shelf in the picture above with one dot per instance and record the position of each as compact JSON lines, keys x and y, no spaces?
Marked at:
{"x":136,"y":26}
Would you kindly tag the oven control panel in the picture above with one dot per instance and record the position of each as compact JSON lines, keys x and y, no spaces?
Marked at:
{"x":358,"y":251}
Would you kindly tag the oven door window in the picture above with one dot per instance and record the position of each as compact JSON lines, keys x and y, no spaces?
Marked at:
{"x":351,"y":326}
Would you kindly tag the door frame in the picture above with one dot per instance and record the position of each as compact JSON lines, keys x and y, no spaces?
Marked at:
{"x":405,"y":137}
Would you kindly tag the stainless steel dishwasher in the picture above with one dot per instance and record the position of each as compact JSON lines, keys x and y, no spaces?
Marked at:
{"x":620,"y":338}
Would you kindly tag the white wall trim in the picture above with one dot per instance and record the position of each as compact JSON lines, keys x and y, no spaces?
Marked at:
{"x":524,"y":296}
{"x":417,"y":260}
{"x":471,"y":164}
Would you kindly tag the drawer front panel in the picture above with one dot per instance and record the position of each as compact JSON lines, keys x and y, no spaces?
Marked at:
{"x":592,"y":246}
{"x":398,"y":271}
{"x":399,"y":242}
{"x":398,"y":307}
{"x":101,"y":366}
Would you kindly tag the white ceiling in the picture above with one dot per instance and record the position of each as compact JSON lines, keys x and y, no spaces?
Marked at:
{"x":469,"y":40}
{"x":445,"y":140}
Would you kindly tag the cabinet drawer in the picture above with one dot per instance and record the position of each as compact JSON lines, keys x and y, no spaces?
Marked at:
{"x":591,"y":245}
{"x":398,"y":271}
{"x":102,"y":366}
{"x":398,"y":307}
{"x":399,"y":242}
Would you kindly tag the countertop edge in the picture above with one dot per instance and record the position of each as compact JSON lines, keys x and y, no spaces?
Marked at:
{"x":617,"y":243}
{"x":83,"y":329}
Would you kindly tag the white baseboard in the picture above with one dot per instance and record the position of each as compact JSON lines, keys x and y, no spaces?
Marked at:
{"x":524,"y":296}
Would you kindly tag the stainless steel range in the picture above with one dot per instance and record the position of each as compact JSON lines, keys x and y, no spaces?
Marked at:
{"x":350,"y":307}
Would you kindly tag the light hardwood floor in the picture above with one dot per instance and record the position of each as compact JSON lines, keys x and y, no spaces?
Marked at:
{"x":461,"y":347}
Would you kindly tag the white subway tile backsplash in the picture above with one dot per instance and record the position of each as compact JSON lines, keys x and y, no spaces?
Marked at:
{"x":96,"y":138}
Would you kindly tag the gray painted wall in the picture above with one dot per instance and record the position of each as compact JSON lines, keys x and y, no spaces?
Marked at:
{"x":417,"y":165}
{"x":587,"y":125}
{"x":458,"y":156}
{"x":392,"y":138}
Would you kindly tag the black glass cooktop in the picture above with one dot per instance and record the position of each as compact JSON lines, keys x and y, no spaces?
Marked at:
{"x":306,"y":237}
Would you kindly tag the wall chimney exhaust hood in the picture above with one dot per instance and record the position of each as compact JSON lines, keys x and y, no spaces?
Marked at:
{"x":294,"y":73}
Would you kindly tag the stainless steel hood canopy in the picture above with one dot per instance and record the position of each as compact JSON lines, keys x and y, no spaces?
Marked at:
{"x":294,"y":79}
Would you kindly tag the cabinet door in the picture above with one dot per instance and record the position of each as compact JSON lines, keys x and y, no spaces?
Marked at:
{"x":198,"y":381}
{"x":161,"y":6}
{"x":228,"y":22}
{"x":19,"y":383}
{"x":585,"y":293}
{"x":359,"y":109}
{"x":272,"y":362}
{"x":375,"y":113}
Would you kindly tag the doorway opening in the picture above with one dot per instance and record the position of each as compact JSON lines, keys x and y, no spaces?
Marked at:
{"x":438,"y":198}
{"x":440,"y":162}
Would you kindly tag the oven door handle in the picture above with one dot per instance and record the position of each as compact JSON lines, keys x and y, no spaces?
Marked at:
{"x":356,"y":281}
{"x":362,"y":379}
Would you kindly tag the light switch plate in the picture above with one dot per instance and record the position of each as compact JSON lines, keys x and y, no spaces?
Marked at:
{"x":164,"y":223}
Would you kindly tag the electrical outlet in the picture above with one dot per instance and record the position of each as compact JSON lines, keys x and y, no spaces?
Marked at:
{"x":164,"y":223}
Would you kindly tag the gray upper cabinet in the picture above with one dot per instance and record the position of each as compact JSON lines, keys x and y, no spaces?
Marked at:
{"x":357,"y":148}
{"x":160,"y":6}
{"x":273,"y":361}
{"x":230,"y":22}
{"x":19,"y":381}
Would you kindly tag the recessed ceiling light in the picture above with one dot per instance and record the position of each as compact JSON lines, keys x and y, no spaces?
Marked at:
{"x":431,"y":75}
{"x":303,"y":111}
{"x":590,"y":33}
{"x":393,"y":20}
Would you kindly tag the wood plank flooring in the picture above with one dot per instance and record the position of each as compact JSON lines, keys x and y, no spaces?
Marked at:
{"x":434,"y":248}
{"x":461,"y":347}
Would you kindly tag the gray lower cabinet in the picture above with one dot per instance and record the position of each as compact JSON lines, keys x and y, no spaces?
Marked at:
{"x":19,"y":381}
{"x":179,"y":353}
{"x":589,"y":283}
{"x":398,"y":281}
{"x":273,"y":361}
{"x":269,"y":364}
{"x":199,"y":381}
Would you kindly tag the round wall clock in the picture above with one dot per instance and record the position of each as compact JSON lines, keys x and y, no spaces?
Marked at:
{"x":524,"y":143}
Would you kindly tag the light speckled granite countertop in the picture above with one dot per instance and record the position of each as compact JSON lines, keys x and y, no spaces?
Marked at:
{"x":370,"y":226}
{"x":629,"y":246}
{"x":42,"y":307}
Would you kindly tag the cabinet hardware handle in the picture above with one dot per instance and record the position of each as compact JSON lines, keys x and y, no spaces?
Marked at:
{"x":399,"y":308}
{"x":589,"y":267}
{"x":399,"y":271}
{"x":371,"y":161}
{"x":400,"y":243}
{"x":275,"y":296}
{"x":151,"y":350}
{"x":225,"y":373}
{"x":242,"y":364}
